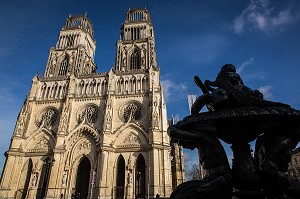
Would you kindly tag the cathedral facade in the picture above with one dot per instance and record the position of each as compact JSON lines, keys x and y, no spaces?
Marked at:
{"x":84,"y":134}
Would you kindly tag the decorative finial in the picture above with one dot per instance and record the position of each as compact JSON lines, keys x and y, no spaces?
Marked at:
{"x":85,"y":14}
{"x":70,"y":15}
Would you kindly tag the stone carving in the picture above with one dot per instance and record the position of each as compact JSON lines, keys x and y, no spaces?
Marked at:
{"x":155,"y":119}
{"x":23,"y":118}
{"x":88,"y":114}
{"x":131,"y":111}
{"x":129,"y":178}
{"x":84,"y":146}
{"x":93,"y":181}
{"x":47,"y":118}
{"x":124,"y":59}
{"x":34,"y":180}
{"x":107,"y":122}
{"x":42,"y":143}
{"x":130,"y":138}
{"x":64,"y":179}
{"x":143,"y":56}
{"x":65,"y":119}
{"x":238,"y":115}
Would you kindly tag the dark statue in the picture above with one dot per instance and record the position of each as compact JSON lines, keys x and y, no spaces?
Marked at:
{"x":238,"y":115}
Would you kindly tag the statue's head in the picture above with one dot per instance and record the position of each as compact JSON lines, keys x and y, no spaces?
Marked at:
{"x":228,"y":68}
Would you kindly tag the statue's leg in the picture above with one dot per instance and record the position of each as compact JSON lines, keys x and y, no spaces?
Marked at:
{"x":272,"y":154}
{"x":202,"y":136}
{"x":217,"y":182}
{"x":244,"y":172}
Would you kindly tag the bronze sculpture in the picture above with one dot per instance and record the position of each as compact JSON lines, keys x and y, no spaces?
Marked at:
{"x":238,"y":115}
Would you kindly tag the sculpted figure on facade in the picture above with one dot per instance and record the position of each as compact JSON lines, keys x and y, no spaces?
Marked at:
{"x":64,"y":178}
{"x":65,"y":119}
{"x":34,"y":180}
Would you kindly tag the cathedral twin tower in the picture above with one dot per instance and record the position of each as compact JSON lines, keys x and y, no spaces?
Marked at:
{"x":84,"y":134}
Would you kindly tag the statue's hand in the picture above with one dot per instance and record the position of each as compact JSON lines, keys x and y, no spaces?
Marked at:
{"x":207,"y":83}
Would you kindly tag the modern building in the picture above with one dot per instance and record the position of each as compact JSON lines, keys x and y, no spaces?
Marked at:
{"x":85,"y":134}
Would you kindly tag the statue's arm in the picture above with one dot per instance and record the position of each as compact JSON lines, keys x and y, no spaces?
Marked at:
{"x":208,"y":84}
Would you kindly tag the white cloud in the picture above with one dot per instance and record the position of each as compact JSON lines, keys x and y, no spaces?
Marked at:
{"x":171,"y":89}
{"x":266,"y":91}
{"x":260,"y":15}
{"x":245,"y":64}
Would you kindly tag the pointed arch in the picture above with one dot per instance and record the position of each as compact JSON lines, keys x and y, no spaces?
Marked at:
{"x":120,"y":177}
{"x":81,"y":142}
{"x":140,"y":185}
{"x":85,"y":128}
{"x":129,"y":129}
{"x":83,"y":178}
{"x":24,"y":179}
{"x":43,"y":137}
{"x":63,"y":66}
{"x":135,"y":59}
{"x":43,"y":178}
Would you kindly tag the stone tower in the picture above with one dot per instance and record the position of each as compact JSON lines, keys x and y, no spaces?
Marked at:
{"x":94,"y":134}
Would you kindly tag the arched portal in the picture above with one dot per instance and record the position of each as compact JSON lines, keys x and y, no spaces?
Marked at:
{"x":83,"y":179}
{"x":44,"y":178}
{"x":140,"y":184}
{"x":120,"y":180}
{"x":24,"y":180}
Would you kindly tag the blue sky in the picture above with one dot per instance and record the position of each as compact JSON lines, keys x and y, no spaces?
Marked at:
{"x":260,"y":37}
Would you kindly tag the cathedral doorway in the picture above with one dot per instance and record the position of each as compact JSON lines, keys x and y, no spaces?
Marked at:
{"x":83,"y":179}
{"x":140,"y":184}
{"x":44,"y":178}
{"x":120,"y":180}
{"x":24,"y":180}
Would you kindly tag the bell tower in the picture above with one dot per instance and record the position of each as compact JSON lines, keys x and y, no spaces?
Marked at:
{"x":136,"y":47}
{"x":74,"y":51}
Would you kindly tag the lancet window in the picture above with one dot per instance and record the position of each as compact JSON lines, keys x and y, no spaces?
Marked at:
{"x":63,"y":67}
{"x":135,"y":60}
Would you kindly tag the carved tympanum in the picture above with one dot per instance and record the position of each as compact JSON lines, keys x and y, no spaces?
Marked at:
{"x":130,"y":138}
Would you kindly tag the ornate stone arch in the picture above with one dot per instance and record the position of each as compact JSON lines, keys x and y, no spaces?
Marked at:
{"x":74,"y":168}
{"x":130,"y":135}
{"x":80,"y":131}
{"x":24,"y":179}
{"x":40,"y":141}
{"x":80,"y":143}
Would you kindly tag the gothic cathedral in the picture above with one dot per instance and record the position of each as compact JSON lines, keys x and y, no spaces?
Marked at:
{"x":83,"y":134}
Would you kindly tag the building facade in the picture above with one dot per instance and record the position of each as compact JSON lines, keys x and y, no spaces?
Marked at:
{"x":294,"y":165}
{"x":85,"y":134}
